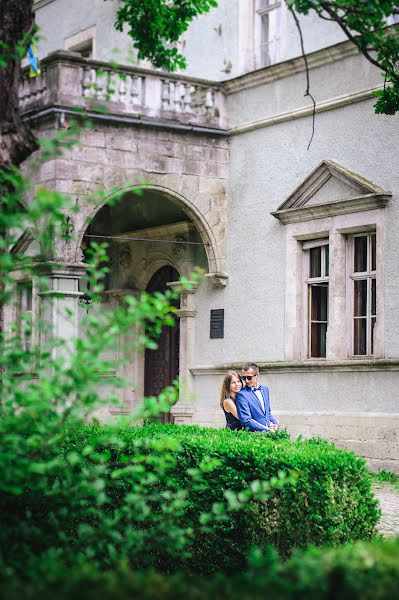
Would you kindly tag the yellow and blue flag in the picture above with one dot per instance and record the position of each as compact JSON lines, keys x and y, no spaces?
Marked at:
{"x":33,"y":62}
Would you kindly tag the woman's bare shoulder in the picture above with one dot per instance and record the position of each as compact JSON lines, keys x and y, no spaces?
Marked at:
{"x":228,"y":404}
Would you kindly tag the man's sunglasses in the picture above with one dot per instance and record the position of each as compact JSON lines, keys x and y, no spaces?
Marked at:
{"x":244,"y":377}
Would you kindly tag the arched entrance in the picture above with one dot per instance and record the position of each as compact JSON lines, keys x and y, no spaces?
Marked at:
{"x":152,"y":241}
{"x":161,"y":366}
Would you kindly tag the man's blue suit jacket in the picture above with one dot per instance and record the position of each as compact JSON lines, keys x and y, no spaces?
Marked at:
{"x":250,"y":411}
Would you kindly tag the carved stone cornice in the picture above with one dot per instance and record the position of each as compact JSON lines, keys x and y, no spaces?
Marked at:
{"x":290,"y":67}
{"x":360,"y":194}
{"x":59,"y":269}
{"x":181,"y":288}
{"x":186,"y":312}
{"x":218,"y":280}
{"x":331,"y":209}
{"x":307,"y":366}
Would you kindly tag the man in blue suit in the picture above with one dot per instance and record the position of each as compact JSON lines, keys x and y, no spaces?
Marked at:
{"x":253,"y":405}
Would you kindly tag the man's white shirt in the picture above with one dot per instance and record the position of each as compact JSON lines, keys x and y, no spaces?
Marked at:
{"x":260,"y":398}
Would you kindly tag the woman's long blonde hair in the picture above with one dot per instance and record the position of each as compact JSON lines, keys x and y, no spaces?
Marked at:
{"x":225,"y":392}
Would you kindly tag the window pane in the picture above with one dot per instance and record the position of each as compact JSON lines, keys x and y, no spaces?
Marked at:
{"x":373,"y":253}
{"x":360,"y":262}
{"x":327,"y":251}
{"x":318,"y":335}
{"x":373,"y":297}
{"x":315,"y":262}
{"x":264,"y":34}
{"x":373,"y":322}
{"x":318,"y":302}
{"x":264,"y":40}
{"x":28,"y":293}
{"x":360,"y":337}
{"x":360,"y":298}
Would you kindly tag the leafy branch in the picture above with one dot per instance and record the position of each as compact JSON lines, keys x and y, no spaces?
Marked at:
{"x":365,"y":24}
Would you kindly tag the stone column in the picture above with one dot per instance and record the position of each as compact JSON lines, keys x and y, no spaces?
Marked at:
{"x":337,"y":325}
{"x":184,"y":409}
{"x":59,"y":301}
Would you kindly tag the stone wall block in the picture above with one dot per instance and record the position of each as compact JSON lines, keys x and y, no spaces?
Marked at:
{"x":211,"y":169}
{"x":194,"y":167}
{"x":376,"y":465}
{"x":93,"y":138}
{"x":66,"y":169}
{"x":64,"y":186}
{"x":169,"y":180}
{"x":89,"y":154}
{"x":82,"y":188}
{"x":90,"y":172}
{"x":203,"y":202}
{"x":350,"y":432}
{"x":122,"y":140}
{"x":212,"y":185}
{"x":371,"y":449}
{"x":47,"y":170}
{"x":222,"y":170}
{"x":157,"y":164}
{"x":189,"y":186}
{"x":388,"y":435}
{"x":223,"y":155}
{"x":179,"y":150}
{"x":196,"y":152}
{"x":113,"y":177}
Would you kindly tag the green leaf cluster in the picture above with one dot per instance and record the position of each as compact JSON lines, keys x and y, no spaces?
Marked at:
{"x":364,"y":22}
{"x":156,"y":25}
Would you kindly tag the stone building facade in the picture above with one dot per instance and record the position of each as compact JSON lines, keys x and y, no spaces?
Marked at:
{"x":299,"y":245}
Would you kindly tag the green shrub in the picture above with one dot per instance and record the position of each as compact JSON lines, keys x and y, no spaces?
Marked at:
{"x":356,"y":571}
{"x":172,"y":498}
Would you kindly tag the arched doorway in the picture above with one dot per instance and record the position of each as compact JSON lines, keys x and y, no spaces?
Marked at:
{"x":161,"y":366}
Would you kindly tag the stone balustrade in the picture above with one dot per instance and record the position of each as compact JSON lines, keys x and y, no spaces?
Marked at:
{"x":68,"y":80}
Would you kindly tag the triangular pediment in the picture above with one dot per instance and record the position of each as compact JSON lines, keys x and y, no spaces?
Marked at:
{"x":331,"y":189}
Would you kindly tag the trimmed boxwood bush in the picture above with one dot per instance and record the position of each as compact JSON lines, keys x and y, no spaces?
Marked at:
{"x":359,"y":571}
{"x":331,"y":503}
{"x":153,"y":484}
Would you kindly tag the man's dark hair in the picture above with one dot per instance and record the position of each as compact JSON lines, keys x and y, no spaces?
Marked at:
{"x":251,"y":366}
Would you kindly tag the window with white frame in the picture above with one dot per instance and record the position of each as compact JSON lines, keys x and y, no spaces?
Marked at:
{"x":25,"y":313}
{"x":364,"y":283}
{"x":317,"y":271}
{"x":268,"y":25}
{"x":83,"y":42}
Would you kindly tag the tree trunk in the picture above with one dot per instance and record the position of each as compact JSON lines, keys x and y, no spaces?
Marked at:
{"x":17,"y":140}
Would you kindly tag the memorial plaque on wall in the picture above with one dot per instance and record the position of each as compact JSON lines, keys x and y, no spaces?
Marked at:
{"x":217,"y":323}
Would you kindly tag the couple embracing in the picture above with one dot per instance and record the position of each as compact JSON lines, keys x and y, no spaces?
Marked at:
{"x":245,"y":403}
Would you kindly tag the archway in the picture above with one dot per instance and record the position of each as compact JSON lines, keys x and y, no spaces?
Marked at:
{"x":151,"y":242}
{"x":161,"y":365}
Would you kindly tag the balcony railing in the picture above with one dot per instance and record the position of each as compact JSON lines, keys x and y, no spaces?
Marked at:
{"x":68,"y":81}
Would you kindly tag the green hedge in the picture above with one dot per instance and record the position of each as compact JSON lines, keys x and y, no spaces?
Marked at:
{"x":359,"y":571}
{"x":154,"y":471}
{"x":331,"y":503}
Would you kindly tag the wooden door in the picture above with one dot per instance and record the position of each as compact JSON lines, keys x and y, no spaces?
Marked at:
{"x":161,"y":366}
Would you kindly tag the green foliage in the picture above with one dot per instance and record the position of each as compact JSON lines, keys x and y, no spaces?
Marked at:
{"x":386,"y":477}
{"x":175,"y":498}
{"x":53,"y":500}
{"x":156,"y":25}
{"x":359,"y":571}
{"x":364,"y":22}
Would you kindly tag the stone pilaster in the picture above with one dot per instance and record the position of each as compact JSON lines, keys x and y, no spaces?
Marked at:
{"x":59,"y":301}
{"x":183,"y":410}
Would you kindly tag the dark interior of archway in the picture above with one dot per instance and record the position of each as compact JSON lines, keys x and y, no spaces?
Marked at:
{"x":133,"y":212}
